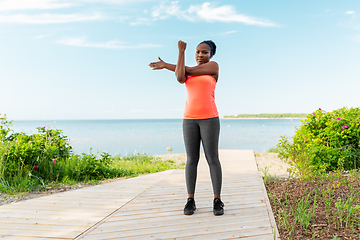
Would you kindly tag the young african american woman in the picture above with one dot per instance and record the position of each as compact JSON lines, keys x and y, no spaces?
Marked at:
{"x":201,"y":118}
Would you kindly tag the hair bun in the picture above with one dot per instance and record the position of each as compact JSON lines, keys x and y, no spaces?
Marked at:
{"x":212,"y":46}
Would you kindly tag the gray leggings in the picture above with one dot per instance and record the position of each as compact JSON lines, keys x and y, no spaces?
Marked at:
{"x":207,"y":131}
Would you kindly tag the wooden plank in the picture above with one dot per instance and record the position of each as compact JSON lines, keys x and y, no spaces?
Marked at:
{"x":36,"y":233}
{"x":65,"y":217}
{"x":244,"y":235}
{"x":40,"y":227}
{"x":156,"y":211}
{"x":180,"y":223}
{"x":258,"y":237}
{"x":170,"y":219}
{"x":60,"y":208}
{"x":17,"y":237}
{"x":46,"y":221}
{"x":255,"y":195}
{"x":189,"y":232}
{"x":176,"y":230}
{"x":201,"y":213}
{"x":94,"y":212}
{"x":176,"y":206}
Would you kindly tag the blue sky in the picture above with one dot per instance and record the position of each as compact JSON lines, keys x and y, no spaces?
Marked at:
{"x":88,"y":59}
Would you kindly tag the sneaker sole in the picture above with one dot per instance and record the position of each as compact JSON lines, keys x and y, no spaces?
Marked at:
{"x":219,"y":214}
{"x":190,"y":213}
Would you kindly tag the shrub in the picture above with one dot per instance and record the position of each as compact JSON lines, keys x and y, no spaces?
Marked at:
{"x":86,"y":167}
{"x":26,"y":161}
{"x":23,"y":156}
{"x":325,"y":141}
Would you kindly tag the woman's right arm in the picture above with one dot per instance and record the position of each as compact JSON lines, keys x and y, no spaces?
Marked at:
{"x":180,"y":66}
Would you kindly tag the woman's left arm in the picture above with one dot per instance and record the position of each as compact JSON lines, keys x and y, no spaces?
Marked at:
{"x":209,"y":68}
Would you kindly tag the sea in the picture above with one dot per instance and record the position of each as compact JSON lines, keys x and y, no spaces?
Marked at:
{"x":158,"y":136}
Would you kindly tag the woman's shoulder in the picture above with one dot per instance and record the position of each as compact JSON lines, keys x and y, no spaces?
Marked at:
{"x":213,"y":63}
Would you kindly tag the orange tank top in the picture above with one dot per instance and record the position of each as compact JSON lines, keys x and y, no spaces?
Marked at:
{"x":200,"y":103}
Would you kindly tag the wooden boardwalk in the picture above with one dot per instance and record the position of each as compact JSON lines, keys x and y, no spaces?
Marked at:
{"x":150,"y":207}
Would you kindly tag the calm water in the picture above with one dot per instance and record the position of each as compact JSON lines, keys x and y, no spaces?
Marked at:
{"x":154,"y":136}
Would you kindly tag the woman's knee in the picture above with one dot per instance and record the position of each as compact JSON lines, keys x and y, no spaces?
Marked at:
{"x":214,"y":163}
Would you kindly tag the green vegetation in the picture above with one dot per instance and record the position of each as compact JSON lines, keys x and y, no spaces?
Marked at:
{"x":273,"y":150}
{"x":325,"y":141}
{"x":34,"y":161}
{"x":321,"y":202}
{"x":269,"y":115}
{"x":320,"y":208}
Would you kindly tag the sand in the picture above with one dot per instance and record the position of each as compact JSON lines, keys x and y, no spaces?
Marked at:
{"x":272,"y":165}
{"x":268,"y":163}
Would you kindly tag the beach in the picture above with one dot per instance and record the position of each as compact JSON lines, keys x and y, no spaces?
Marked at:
{"x":268,"y":163}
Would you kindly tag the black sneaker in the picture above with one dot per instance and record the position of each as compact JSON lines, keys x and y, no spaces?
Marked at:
{"x":190,"y":207}
{"x":218,"y":207}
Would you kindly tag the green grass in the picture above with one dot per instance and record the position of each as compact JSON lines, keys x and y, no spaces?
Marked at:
{"x":89,"y":169}
{"x":332,"y":196}
{"x":273,"y":150}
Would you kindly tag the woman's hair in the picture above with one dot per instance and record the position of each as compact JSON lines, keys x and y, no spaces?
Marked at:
{"x":211,"y":44}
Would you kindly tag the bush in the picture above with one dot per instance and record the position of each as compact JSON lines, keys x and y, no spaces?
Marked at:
{"x":87,"y":167}
{"x":23,"y":156}
{"x":325,"y":141}
{"x":28,"y":162}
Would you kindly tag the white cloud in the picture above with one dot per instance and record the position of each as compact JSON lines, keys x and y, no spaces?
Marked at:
{"x":123,"y":18}
{"x":6,"y":5}
{"x":115,"y":1}
{"x":142,"y":21}
{"x":163,"y":11}
{"x":115,"y":44}
{"x":226,"y":13}
{"x":350,"y":12}
{"x":229,"y":32}
{"x":48,"y":18}
{"x":207,"y":12}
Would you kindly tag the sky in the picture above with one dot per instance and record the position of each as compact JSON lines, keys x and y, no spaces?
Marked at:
{"x":88,"y":59}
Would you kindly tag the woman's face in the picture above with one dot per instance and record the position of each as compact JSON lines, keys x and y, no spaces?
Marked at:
{"x":203,"y":53}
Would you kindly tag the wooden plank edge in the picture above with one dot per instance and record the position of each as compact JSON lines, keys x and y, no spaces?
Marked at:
{"x":270,"y":211}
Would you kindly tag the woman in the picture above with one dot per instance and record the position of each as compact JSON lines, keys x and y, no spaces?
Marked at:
{"x":201,"y":119}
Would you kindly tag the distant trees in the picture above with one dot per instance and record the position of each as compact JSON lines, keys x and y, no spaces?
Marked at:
{"x":269,"y":115}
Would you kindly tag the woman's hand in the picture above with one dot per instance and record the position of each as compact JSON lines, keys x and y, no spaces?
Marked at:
{"x":181,"y":46}
{"x":157,"y":65}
